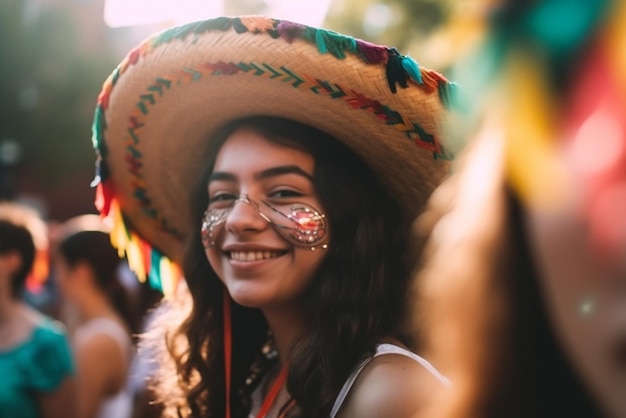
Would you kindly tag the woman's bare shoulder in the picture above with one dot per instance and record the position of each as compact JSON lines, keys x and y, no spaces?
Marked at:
{"x":390,"y":386}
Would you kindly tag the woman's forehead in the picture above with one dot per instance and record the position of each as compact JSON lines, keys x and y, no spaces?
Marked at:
{"x":249,"y":151}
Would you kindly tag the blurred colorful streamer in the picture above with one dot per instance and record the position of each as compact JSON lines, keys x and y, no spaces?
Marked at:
{"x":556,"y":69}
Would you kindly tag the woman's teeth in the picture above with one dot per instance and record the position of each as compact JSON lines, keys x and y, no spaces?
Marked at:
{"x":253,"y":255}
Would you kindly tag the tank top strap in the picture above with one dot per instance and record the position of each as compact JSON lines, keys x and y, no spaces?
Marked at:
{"x":108,"y":327}
{"x":381,"y":350}
{"x":345,"y":389}
{"x":387,"y":348}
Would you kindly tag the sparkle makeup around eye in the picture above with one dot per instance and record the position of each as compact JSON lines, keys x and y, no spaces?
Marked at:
{"x":298,"y":223}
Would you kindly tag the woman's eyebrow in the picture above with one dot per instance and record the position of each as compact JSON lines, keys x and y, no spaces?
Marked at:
{"x":221,"y":175}
{"x":282,"y":170}
{"x":262,"y":175}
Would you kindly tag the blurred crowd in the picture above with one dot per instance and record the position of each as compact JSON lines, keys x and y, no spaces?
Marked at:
{"x":520,"y":298}
{"x":71,"y":313}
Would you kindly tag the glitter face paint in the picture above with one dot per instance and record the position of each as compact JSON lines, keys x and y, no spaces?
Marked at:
{"x":299,"y":224}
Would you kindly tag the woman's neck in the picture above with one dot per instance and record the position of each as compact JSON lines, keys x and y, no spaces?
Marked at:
{"x":94,"y":305}
{"x":287,"y":326}
{"x":16,"y":323}
{"x":8,"y":305}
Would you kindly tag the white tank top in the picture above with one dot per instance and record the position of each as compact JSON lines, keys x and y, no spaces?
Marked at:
{"x":118,"y":405}
{"x":382,"y":349}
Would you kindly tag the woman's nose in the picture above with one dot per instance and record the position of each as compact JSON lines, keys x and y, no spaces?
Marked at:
{"x":244,"y":216}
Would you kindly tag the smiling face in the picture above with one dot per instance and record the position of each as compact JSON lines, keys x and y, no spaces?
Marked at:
{"x":259,"y":266}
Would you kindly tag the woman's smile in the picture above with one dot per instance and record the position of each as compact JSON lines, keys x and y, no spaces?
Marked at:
{"x":253,"y":255}
{"x":246,"y":253}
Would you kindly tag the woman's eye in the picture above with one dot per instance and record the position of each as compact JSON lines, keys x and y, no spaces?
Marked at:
{"x":284,"y":193}
{"x":222,"y":197}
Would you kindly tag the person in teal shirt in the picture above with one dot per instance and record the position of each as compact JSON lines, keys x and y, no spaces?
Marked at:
{"x":36,"y":363}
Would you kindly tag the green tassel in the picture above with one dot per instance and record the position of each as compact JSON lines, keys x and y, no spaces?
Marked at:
{"x":309,"y":34}
{"x":412,"y":69}
{"x":97,"y":129}
{"x":334,"y":43}
{"x":448,"y":94}
{"x":115,"y":75}
{"x":154,"y":278}
{"x":219,"y":23}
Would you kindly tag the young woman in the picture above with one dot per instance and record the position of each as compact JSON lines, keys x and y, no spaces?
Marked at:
{"x":281,"y":165}
{"x":87,"y":274}
{"x":36,"y":363}
{"x":525,"y":266}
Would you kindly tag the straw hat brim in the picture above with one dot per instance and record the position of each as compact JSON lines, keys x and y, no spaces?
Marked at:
{"x":159,"y":109}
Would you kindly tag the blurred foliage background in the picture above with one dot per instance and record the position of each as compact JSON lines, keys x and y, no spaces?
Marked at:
{"x":55,"y":55}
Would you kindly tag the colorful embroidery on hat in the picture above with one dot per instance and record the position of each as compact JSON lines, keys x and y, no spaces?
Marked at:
{"x":400,"y":71}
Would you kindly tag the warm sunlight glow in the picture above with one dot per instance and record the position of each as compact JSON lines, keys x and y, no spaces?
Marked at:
{"x":121,"y":13}
{"x":308,"y":12}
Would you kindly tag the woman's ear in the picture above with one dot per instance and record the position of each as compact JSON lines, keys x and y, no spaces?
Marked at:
{"x":83,"y":270}
{"x":76,"y":274}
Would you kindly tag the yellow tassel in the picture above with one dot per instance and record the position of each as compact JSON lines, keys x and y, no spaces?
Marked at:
{"x":533,"y":167}
{"x":169,"y":276}
{"x":135,"y":258}
{"x":118,"y":235}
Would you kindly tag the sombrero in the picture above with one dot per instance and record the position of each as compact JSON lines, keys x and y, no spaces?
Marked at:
{"x":160,"y":106}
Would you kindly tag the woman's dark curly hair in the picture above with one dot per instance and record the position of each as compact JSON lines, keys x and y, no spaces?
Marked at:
{"x":356,"y":299}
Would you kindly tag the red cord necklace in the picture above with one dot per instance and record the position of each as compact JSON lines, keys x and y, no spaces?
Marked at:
{"x":276,"y":386}
{"x":271,"y":396}
{"x":228,"y":345}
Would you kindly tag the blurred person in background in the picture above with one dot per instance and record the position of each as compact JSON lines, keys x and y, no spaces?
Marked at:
{"x":86,"y":267}
{"x":523,"y":292}
{"x":145,"y":361}
{"x":36,"y":364}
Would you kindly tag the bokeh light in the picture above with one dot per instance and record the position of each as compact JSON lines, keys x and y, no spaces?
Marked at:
{"x":120,"y":13}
